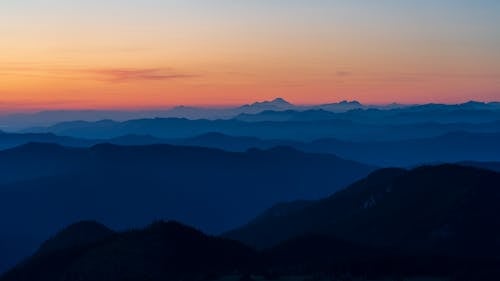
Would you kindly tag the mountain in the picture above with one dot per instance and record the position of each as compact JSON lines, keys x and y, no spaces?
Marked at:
{"x":345,"y":129}
{"x":162,"y":251}
{"x":448,"y":148}
{"x":276,"y":104}
{"x":47,"y":186}
{"x":445,"y":210}
{"x":479,"y":112}
{"x":20,"y":121}
{"x":342,"y":106}
{"x":10,"y":140}
{"x":399,"y":115}
{"x":434,"y":221}
{"x":77,"y":235}
{"x":287,"y":116}
{"x":494,"y":166}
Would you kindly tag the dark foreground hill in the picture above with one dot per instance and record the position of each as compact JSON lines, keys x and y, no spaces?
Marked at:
{"x":442,"y":210}
{"x":440,"y":221}
{"x":162,"y":251}
{"x":44,"y":187}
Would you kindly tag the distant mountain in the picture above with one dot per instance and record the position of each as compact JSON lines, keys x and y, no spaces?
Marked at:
{"x":442,"y":210}
{"x":276,"y":104}
{"x":342,"y":106}
{"x":287,"y":116}
{"x":47,"y":186}
{"x":473,"y":111}
{"x":10,"y":140}
{"x":19,"y":121}
{"x":449,"y":148}
{"x":383,"y":116}
{"x":162,"y":251}
{"x":344,"y":129}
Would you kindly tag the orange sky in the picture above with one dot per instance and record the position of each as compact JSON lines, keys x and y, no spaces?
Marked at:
{"x":138,"y":54}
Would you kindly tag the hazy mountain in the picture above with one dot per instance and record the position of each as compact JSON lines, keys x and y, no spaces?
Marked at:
{"x":473,"y":111}
{"x":10,"y":140}
{"x":162,"y":251}
{"x":171,"y":128}
{"x":436,"y":210}
{"x":288,"y":115}
{"x":46,"y":186}
{"x":342,"y":106}
{"x":18,"y":121}
{"x":451,"y":147}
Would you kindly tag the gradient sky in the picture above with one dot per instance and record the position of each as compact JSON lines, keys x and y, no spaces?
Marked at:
{"x":154,"y":53}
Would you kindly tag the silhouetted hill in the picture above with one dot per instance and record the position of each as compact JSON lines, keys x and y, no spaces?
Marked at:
{"x":439,"y":221}
{"x":494,"y":166}
{"x":313,"y":253}
{"x":162,"y":251}
{"x":441,"y":210}
{"x":80,"y":234}
{"x":48,"y":186}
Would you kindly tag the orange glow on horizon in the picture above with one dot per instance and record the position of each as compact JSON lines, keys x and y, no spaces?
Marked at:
{"x":157,"y":54}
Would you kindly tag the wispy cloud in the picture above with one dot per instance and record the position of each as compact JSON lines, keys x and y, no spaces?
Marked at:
{"x":112,"y":74}
{"x":135,"y":74}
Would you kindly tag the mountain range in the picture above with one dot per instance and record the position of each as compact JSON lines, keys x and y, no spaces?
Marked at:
{"x":448,"y":148}
{"x":269,"y":111}
{"x":441,"y":210}
{"x":290,"y":130}
{"x":19,"y":121}
{"x":46,"y":186}
{"x":435,"y":221}
{"x":162,"y":251}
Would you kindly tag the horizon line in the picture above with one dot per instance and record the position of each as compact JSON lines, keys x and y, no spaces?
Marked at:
{"x":34,"y":110}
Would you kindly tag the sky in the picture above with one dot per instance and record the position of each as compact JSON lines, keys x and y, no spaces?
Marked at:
{"x":60,"y":54}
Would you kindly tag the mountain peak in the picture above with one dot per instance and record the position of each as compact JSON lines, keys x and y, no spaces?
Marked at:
{"x":275,"y":104}
{"x":281,"y":101}
{"x":346,"y":102}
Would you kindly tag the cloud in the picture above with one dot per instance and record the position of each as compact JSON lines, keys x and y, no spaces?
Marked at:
{"x":136,"y":74}
{"x":73,"y":72}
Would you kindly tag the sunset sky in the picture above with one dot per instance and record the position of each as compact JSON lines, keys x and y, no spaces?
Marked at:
{"x":155,"y":53}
